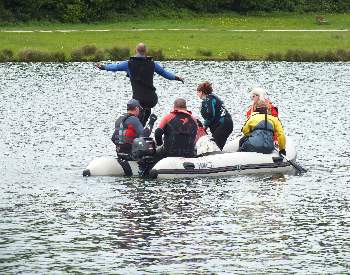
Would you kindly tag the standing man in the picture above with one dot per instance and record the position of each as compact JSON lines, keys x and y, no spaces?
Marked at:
{"x":140,"y":69}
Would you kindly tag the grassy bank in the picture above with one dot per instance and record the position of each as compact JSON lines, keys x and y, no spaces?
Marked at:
{"x":208,"y":37}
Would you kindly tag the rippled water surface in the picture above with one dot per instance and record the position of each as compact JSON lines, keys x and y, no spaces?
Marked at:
{"x":55,"y":118}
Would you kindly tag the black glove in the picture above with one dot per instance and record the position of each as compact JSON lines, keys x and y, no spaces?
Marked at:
{"x":179,"y":79}
{"x":158,"y":134}
{"x":152,"y":119}
{"x":101,"y":66}
{"x":283,"y":152}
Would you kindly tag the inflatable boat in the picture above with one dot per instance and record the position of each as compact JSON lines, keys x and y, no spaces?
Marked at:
{"x":210,"y":162}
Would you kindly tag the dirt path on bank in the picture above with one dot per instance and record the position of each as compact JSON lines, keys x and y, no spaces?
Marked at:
{"x":201,"y":30}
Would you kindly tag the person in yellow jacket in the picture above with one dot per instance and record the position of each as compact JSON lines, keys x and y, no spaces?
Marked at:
{"x":258,"y":132}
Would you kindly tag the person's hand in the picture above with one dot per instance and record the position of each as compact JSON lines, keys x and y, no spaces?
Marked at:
{"x":100,"y":66}
{"x":152,"y":119}
{"x":283,"y":152}
{"x":178,"y":78}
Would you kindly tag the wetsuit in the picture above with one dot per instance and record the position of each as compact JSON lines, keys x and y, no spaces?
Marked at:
{"x":217,"y":118}
{"x":141,"y":70}
{"x":127,"y":128}
{"x":180,"y":131}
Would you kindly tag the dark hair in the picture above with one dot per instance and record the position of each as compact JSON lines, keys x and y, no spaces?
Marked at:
{"x":205,"y":88}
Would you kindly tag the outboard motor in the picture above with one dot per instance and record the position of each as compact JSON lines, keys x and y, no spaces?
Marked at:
{"x":144,"y":150}
{"x":143,"y":147}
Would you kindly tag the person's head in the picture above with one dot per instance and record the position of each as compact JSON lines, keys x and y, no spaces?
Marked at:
{"x":261,"y":106}
{"x":180,"y":104}
{"x":133,"y":107}
{"x":204,"y":89}
{"x":258,"y":94}
{"x":141,"y":49}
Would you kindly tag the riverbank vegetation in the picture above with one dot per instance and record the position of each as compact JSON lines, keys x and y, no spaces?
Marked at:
{"x":224,"y":36}
{"x":80,"y":55}
{"x":77,"y":11}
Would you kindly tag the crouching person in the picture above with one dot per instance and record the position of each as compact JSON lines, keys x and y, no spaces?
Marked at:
{"x":259,"y":130}
{"x":179,"y":129}
{"x":127,"y":128}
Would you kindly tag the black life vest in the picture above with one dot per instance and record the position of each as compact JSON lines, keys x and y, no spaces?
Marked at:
{"x":179,"y":136}
{"x":141,"y":78}
{"x":124,"y":133}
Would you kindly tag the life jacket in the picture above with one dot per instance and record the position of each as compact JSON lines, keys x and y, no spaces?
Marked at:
{"x":260,"y":139}
{"x":273,"y":109}
{"x":180,"y":135}
{"x":141,"y":78}
{"x":124,"y":133}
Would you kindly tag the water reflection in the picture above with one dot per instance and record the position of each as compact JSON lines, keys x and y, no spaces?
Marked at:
{"x":55,"y":118}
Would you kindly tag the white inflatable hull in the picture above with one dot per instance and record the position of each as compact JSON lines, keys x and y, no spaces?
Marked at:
{"x":227,"y":164}
{"x":215,"y":164}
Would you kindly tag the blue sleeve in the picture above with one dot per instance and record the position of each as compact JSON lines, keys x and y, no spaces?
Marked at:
{"x":140,"y":131}
{"x":160,"y":70}
{"x":122,"y":66}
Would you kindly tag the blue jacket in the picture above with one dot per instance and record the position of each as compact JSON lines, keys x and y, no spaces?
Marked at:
{"x":123,"y":66}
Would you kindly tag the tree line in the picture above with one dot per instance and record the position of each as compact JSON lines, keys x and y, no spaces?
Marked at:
{"x":75,"y":11}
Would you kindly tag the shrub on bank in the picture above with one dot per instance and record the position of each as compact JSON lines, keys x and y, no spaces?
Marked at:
{"x":310,"y":56}
{"x":99,"y":55}
{"x":6,"y":55}
{"x":156,"y":54}
{"x":57,"y":57}
{"x":204,"y":52}
{"x":274,"y":57}
{"x":117,"y":53}
{"x":87,"y":53}
{"x":236,"y":56}
{"x":88,"y":50}
{"x":338,"y":55}
{"x":76,"y":55}
{"x":32,"y":55}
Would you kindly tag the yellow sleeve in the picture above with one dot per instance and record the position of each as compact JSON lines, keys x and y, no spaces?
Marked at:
{"x":280,"y":133}
{"x":246,"y":127}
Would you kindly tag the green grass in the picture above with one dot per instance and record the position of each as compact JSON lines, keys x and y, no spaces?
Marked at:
{"x":185,"y":44}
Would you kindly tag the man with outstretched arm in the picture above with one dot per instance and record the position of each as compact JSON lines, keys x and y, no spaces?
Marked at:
{"x":140,"y":69}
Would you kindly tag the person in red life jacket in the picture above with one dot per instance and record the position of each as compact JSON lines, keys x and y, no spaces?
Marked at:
{"x":140,"y":69}
{"x":180,"y":131}
{"x":260,"y":94}
{"x":215,"y":115}
{"x":128,"y":127}
{"x":259,"y":130}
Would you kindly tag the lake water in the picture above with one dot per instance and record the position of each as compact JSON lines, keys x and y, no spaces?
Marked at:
{"x":55,"y":118}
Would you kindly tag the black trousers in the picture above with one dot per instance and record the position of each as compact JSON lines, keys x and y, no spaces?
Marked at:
{"x":144,"y":115}
{"x":222,"y":131}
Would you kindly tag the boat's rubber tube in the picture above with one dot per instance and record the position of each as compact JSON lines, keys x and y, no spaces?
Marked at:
{"x":226,"y":163}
